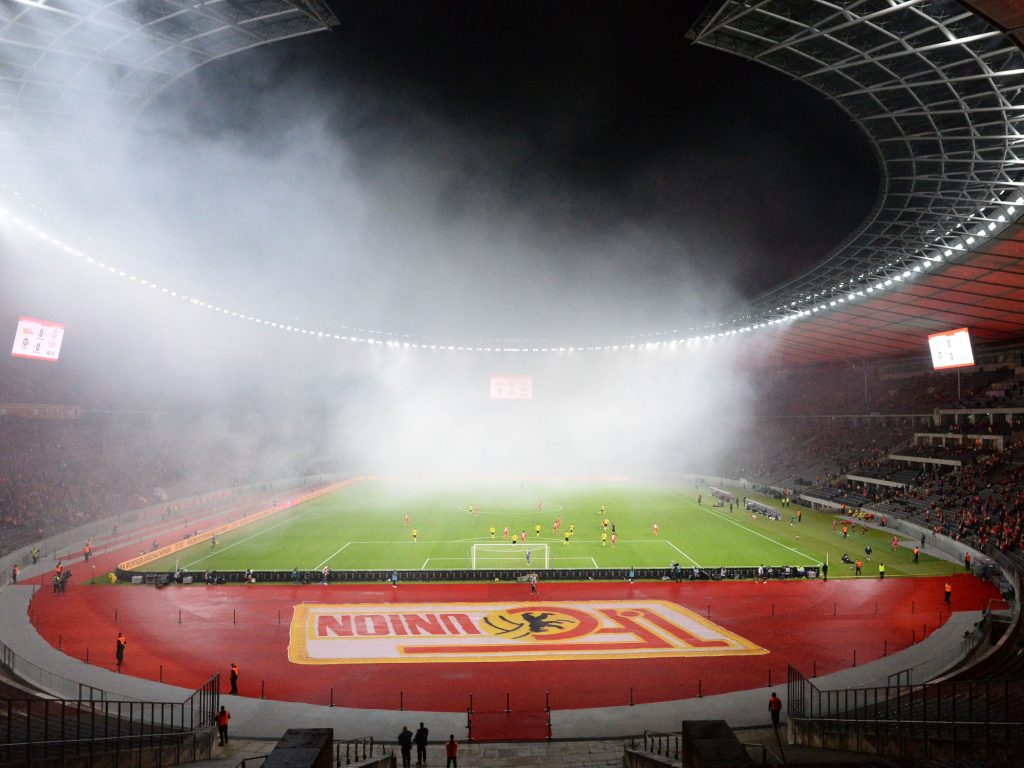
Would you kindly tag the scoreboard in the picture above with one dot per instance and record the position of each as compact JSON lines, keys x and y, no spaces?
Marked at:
{"x":38,"y":339}
{"x":511,"y":387}
{"x":951,"y":349}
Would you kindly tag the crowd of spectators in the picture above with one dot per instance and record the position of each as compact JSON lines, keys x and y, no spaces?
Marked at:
{"x":814,"y":452}
{"x":59,"y":474}
{"x":844,"y":389}
{"x":980,"y":501}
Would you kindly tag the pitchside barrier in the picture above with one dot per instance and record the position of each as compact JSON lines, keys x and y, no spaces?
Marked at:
{"x":163,"y":578}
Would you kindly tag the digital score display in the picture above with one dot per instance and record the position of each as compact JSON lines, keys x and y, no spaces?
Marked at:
{"x":951,"y":349}
{"x":38,"y":339}
{"x":511,"y":388}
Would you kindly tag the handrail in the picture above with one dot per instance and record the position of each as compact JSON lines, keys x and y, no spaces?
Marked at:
{"x":52,"y":683}
{"x":243,"y":763}
{"x":10,"y":745}
{"x":662,"y":743}
{"x":765,"y":752}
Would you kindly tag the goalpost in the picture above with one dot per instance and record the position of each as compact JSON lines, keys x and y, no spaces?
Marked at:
{"x":492,"y":555}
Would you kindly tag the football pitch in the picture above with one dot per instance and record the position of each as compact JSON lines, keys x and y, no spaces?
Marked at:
{"x":370,"y":525}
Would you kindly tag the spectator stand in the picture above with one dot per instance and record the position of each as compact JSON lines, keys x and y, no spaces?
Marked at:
{"x":134,"y":525}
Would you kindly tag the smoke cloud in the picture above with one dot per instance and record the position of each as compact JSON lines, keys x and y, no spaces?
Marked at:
{"x":370,"y":211}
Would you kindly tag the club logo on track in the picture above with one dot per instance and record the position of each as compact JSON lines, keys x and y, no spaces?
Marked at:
{"x":529,"y":623}
{"x":414,"y":632}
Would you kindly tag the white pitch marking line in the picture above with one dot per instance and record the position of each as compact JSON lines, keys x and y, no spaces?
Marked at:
{"x":728,"y":519}
{"x":677,"y":549}
{"x":230,"y":546}
{"x":330,"y":557}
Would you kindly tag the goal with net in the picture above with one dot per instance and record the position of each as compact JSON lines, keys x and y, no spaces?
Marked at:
{"x":498,"y":556}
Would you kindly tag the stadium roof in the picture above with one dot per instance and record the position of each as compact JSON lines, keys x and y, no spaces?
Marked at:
{"x":937,"y":86}
{"x":124,"y":52}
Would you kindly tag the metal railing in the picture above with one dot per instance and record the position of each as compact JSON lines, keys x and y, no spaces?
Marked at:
{"x":982,"y":717}
{"x":663,"y":744}
{"x":356,"y":750}
{"x":154,"y":749}
{"x":767,"y":754}
{"x":35,"y":729}
{"x":54,"y":684}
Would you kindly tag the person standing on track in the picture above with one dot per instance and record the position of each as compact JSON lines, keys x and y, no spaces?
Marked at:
{"x":122,"y":641}
{"x":948,"y":592}
{"x":234,"y":679}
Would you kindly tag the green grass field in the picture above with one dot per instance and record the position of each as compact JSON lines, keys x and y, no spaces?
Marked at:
{"x":362,"y":527}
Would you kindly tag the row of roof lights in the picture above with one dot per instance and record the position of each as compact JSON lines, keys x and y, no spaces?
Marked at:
{"x":829,"y":300}
{"x":924,"y":262}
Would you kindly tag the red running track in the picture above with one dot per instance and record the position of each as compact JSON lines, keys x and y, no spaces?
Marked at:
{"x":812,"y":625}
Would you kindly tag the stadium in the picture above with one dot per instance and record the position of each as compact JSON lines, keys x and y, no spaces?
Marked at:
{"x":568,"y":379}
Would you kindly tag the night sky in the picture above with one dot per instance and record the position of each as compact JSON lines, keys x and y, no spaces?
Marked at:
{"x":603,"y":105}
